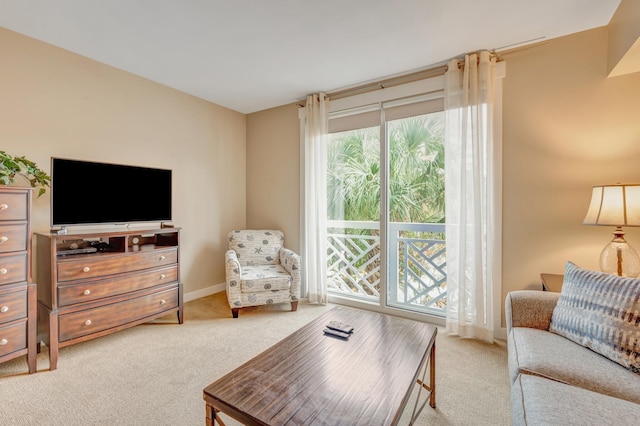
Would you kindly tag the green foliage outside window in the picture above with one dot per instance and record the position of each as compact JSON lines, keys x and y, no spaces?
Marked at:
{"x":416,"y":167}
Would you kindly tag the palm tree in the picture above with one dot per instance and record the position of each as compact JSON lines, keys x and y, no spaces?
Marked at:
{"x":354,"y":175}
{"x":416,"y":166}
{"x":417,"y":169}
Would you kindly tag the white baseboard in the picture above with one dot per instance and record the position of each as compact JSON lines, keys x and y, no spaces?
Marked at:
{"x":204,"y":292}
{"x":500,"y":334}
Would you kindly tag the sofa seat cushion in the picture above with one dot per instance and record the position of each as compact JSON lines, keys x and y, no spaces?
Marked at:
{"x":264,"y":278}
{"x":538,"y":401}
{"x":541,"y":353}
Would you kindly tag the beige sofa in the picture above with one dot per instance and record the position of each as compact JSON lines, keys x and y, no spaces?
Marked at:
{"x":556,"y":381}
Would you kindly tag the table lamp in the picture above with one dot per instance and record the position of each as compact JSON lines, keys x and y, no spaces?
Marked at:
{"x":616,"y":205}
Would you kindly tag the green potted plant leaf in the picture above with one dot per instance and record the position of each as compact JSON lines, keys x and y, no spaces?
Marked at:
{"x":12,"y":167}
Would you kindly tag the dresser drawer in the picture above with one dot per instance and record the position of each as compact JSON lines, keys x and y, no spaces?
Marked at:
{"x":13,"y":206}
{"x":13,"y":306}
{"x":97,"y":289}
{"x":93,"y":266}
{"x":13,"y":268}
{"x":13,"y":338}
{"x":13,"y":237}
{"x":82,"y":323}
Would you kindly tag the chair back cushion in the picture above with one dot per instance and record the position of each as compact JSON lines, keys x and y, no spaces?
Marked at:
{"x":257,"y":247}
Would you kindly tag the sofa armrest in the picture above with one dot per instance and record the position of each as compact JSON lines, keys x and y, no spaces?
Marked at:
{"x":290,"y":261}
{"x":530,"y":308}
{"x":233,"y":273}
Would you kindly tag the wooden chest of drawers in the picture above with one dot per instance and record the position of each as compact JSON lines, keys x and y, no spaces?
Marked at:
{"x":84,"y":296}
{"x":17,"y":293}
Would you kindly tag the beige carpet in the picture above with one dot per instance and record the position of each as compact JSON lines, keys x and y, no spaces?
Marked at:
{"x":154,"y":374}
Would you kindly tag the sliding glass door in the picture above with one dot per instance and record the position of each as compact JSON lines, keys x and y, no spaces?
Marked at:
{"x":385,"y":186}
{"x":353,"y":208}
{"x":415,"y":230}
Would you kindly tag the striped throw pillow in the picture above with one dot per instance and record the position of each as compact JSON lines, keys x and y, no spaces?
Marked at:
{"x":601,"y":312}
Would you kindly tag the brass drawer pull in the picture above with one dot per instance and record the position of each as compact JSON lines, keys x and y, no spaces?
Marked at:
{"x":162,"y":258}
{"x":3,"y":271}
{"x":3,"y":342}
{"x":86,"y":292}
{"x":87,"y":322}
{"x":4,"y":309}
{"x":4,"y":239}
{"x":162,"y":302}
{"x":163,"y":276}
{"x":4,"y":206}
{"x":86,"y":269}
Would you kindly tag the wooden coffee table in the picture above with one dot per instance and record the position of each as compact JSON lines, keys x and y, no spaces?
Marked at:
{"x":309,"y":378}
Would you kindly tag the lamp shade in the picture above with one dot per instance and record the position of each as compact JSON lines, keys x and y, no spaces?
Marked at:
{"x":614,"y":205}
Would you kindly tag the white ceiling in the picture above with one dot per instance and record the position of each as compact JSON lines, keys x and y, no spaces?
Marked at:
{"x":250,"y":55}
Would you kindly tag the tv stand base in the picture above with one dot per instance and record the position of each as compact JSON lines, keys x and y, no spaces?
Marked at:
{"x":89,"y":295}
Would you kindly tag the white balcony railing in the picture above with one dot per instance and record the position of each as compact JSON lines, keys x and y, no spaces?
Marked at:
{"x":417,"y":259}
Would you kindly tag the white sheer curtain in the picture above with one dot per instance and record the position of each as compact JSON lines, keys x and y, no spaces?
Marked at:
{"x":316,"y":137}
{"x":473,"y":192}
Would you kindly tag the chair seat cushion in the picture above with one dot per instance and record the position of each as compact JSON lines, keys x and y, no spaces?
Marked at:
{"x":264,"y":278}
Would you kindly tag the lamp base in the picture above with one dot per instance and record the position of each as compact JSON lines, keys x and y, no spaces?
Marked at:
{"x":619,"y":258}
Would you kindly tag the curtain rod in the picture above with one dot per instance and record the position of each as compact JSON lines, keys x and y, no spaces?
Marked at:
{"x":415,"y":76}
{"x":393,"y":81}
{"x":389,"y":82}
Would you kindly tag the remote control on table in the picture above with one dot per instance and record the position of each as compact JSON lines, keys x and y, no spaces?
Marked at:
{"x":332,"y":332}
{"x":340,"y":326}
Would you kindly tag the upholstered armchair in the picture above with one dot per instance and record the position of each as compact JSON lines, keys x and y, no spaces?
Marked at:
{"x":260,"y":270}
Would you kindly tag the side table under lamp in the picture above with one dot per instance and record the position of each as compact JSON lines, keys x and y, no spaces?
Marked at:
{"x":552,"y":282}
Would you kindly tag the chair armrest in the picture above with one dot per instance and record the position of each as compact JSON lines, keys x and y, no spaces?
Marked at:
{"x":290,"y":261}
{"x":530,"y":308}
{"x":233,"y":273}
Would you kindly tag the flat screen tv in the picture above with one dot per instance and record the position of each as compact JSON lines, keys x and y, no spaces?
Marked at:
{"x":91,"y":193}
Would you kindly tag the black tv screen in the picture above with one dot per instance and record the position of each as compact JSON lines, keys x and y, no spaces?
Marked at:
{"x":89,"y":193}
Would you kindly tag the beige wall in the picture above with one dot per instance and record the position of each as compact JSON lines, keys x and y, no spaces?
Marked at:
{"x":566,"y":127}
{"x":273,"y":172}
{"x":624,"y":39}
{"x":55,"y":103}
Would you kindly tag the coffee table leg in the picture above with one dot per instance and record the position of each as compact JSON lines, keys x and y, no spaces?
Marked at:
{"x":432,"y":378}
{"x":212,"y":418}
{"x":211,"y":415}
{"x":431,"y":389}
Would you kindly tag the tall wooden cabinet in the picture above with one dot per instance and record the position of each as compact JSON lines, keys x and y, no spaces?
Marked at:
{"x":17,"y":292}
{"x":91,"y":284}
